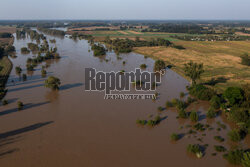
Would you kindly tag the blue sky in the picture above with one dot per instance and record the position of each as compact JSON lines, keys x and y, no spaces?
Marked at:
{"x":125,"y":9}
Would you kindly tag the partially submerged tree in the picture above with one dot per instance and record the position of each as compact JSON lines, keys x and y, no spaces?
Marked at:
{"x":52,"y":83}
{"x":194,"y":71}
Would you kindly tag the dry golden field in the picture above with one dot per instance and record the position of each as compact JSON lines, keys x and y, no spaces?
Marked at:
{"x":222,"y":60}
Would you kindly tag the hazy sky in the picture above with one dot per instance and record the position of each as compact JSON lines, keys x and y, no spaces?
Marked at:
{"x":125,"y":9}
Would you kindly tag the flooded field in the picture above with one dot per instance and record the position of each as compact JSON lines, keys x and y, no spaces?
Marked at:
{"x":72,"y":127}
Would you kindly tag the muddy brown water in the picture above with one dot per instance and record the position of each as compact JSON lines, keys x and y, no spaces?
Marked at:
{"x":72,"y":127}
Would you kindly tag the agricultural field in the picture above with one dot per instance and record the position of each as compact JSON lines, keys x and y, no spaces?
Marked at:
{"x":222,"y":60}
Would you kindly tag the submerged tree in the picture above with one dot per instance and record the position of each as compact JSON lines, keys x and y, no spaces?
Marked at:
{"x":194,"y":71}
{"x":159,"y":65}
{"x":52,"y":83}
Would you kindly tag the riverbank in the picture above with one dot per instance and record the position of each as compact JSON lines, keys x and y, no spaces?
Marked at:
{"x":222,"y":60}
{"x":6,"y":65}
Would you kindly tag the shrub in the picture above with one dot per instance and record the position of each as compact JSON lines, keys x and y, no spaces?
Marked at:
{"x":143,"y":66}
{"x":195,"y":149}
{"x":199,"y":127}
{"x":175,"y":137}
{"x":160,"y":108}
{"x":174,"y":102}
{"x":53,"y":83}
{"x":181,"y":105}
{"x":24,"y":77}
{"x":169,"y":104}
{"x":182,"y":94}
{"x":220,"y":148}
{"x":215,"y":102}
{"x":194,"y":116}
{"x":233,"y":95}
{"x":18,"y":70}
{"x":245,"y":60}
{"x":182,"y":114}
{"x":20,"y":105}
{"x":141,"y":122}
{"x":190,"y":100}
{"x":246,"y":159}
{"x":234,"y":135}
{"x":159,"y":65}
{"x":238,"y":115}
{"x":211,"y":113}
{"x":219,"y":138}
{"x":4,"y":102}
{"x":201,"y":92}
{"x":29,"y":67}
{"x":43,"y":73}
{"x":234,"y":156}
{"x":25,"y":50}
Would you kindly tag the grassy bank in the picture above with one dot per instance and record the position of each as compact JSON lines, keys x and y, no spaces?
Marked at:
{"x":6,"y":66}
{"x":222,"y":60}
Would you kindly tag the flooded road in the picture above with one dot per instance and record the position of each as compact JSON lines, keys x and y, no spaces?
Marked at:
{"x":73,"y":127}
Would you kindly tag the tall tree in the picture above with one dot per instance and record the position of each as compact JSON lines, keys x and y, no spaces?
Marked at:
{"x":194,"y":71}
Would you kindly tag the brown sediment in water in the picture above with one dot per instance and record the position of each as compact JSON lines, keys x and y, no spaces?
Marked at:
{"x":72,"y":127}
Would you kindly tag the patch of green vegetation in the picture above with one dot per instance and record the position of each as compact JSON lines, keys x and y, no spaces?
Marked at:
{"x":182,"y":114}
{"x":53,"y":83}
{"x":20,"y":105}
{"x":219,"y":138}
{"x":175,"y":137}
{"x":143,"y":66}
{"x":195,"y":149}
{"x":234,"y":156}
{"x":234,"y":135}
{"x":211,"y":113}
{"x":194,"y":117}
{"x":199,"y":127}
{"x":220,"y":148}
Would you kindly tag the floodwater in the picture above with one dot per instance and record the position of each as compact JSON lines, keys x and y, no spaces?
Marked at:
{"x":73,"y":127}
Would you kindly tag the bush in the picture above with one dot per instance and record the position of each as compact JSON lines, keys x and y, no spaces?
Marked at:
{"x":215,"y":102}
{"x":194,"y":116}
{"x":24,"y":77}
{"x":233,"y":95}
{"x":199,"y":127}
{"x":99,"y":50}
{"x":159,"y":65}
{"x":4,"y":102}
{"x":30,"y":67}
{"x":246,"y":159}
{"x":160,"y":108}
{"x":234,"y":135}
{"x":238,"y":115}
{"x":245,"y":60}
{"x":220,"y":148}
{"x":182,"y":94}
{"x":18,"y":70}
{"x":20,"y":105}
{"x":53,"y":83}
{"x":141,"y":122}
{"x":211,"y":113}
{"x":182,"y":114}
{"x":25,"y":50}
{"x":43,"y":73}
{"x":181,"y":105}
{"x":143,"y":66}
{"x":174,"y":102}
{"x":169,"y":104}
{"x":201,"y":92}
{"x":219,"y":138}
{"x":234,"y":156}
{"x":175,"y":137}
{"x":195,"y":149}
